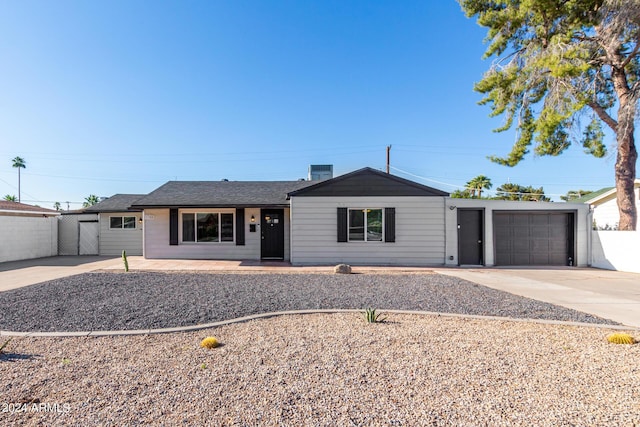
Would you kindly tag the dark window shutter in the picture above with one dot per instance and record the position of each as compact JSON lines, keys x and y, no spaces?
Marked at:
{"x":389,"y":224}
{"x":173,"y":226}
{"x":240,"y":227}
{"x":342,"y":224}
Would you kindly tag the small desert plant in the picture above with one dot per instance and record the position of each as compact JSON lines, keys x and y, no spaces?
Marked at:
{"x":209,"y":342}
{"x":124,"y":260}
{"x":371,"y":316}
{"x":621,"y":338}
{"x":2,"y":347}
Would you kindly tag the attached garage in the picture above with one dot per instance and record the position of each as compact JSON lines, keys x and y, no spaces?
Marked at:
{"x":534,"y":238}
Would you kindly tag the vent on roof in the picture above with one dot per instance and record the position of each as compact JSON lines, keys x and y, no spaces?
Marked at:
{"x":320,"y":172}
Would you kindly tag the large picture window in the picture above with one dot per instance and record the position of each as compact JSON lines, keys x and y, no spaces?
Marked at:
{"x":122,"y":222}
{"x":207,"y":227}
{"x":365,"y":225}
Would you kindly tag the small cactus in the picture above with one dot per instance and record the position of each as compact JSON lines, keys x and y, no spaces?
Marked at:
{"x":124,"y":260}
{"x":209,"y":342}
{"x":621,"y":338}
{"x":371,"y":316}
{"x":2,"y":347}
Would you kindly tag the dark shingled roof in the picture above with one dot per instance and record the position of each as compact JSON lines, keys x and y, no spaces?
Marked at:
{"x":115,"y":203}
{"x":221,"y":194}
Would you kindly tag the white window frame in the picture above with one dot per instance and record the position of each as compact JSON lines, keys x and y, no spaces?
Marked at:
{"x":122,"y":227}
{"x":365,"y":225}
{"x":195,"y":213}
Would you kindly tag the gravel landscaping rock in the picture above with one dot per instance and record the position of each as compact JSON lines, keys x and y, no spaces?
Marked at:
{"x":327,"y":370}
{"x":149,"y":300}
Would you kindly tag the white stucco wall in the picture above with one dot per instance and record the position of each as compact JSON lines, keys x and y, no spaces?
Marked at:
{"x":27,"y":237}
{"x":616,"y":250}
{"x":419,"y":227}
{"x":583,"y":225}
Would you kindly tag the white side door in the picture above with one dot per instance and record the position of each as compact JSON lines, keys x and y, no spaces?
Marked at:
{"x":88,"y":241}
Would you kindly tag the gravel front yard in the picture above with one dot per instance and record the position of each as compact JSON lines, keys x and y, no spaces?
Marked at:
{"x":327,"y":370}
{"x":117,"y":301}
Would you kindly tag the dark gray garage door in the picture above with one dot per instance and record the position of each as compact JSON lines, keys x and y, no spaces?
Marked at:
{"x":533,"y":238}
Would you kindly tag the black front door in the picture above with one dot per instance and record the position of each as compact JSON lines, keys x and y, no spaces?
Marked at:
{"x":272,"y":229}
{"x":470,"y":236}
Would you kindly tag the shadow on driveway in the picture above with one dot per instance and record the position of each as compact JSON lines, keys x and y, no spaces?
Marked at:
{"x":54,"y":261}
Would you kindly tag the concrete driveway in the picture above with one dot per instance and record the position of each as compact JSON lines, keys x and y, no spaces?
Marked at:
{"x":613,"y":295}
{"x":610,"y":294}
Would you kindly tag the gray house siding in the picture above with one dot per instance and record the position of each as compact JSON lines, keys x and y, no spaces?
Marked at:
{"x":419,"y":232}
{"x":157,"y":237}
{"x":114,"y":241}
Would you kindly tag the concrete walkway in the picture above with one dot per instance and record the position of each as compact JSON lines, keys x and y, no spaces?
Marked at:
{"x":613,"y":295}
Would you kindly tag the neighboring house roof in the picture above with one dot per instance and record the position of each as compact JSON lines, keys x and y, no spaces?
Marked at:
{"x":115,"y":203}
{"x":16,"y":207}
{"x":602,"y":195}
{"x":220,"y":194}
{"x":367,"y":182}
{"x":593,"y":195}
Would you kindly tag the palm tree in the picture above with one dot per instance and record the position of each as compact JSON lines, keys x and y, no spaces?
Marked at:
{"x":19,"y":163}
{"x":10,"y":198}
{"x":478,"y":184}
{"x":90,"y":201}
{"x":56,"y":206}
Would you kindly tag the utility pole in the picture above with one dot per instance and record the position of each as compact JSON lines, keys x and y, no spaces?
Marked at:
{"x":388,"y":156}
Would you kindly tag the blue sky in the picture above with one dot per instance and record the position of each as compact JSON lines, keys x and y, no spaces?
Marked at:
{"x":122,"y":96}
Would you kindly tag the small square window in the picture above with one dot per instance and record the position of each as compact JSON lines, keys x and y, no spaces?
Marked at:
{"x":115,"y":222}
{"x":365,"y":225}
{"x":129,"y":222}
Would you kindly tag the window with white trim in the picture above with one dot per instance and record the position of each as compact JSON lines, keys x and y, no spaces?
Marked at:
{"x":365,"y":225}
{"x":207,"y":227}
{"x":122,"y":222}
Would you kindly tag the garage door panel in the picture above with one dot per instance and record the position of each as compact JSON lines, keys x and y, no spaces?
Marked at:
{"x":539,"y":245}
{"x":533,"y":238}
{"x":521,"y":245}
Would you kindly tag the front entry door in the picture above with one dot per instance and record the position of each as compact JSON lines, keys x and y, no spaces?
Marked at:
{"x":470,"y":236}
{"x":272,"y":230}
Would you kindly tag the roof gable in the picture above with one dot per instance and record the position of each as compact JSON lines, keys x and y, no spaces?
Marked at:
{"x":367,"y":182}
{"x":603,"y":195}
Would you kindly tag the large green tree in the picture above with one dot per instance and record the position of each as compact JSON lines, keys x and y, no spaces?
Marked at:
{"x":510,"y":191}
{"x":477,"y":184}
{"x":574,"y":194}
{"x":90,"y":200}
{"x":559,"y":62}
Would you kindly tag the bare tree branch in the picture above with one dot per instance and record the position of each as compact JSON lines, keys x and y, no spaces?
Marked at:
{"x":604,"y":116}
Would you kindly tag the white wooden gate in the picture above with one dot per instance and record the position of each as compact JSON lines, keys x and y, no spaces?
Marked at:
{"x":88,"y":242}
